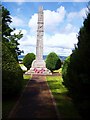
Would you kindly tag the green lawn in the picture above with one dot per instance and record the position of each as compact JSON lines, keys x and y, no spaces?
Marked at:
{"x":8,"y":104}
{"x":26,"y":78}
{"x":23,"y":67}
{"x":64,"y":103}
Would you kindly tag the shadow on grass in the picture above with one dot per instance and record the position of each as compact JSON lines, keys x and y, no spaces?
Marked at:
{"x":9,"y":101}
{"x":64,"y":103}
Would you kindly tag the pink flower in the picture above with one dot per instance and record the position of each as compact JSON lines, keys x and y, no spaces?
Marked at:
{"x":39,"y":71}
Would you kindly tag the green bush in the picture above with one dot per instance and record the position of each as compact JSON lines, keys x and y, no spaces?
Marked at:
{"x":28,"y":59}
{"x":77,"y":75}
{"x":12,"y":74}
{"x":65,"y":68}
{"x":53,"y":62}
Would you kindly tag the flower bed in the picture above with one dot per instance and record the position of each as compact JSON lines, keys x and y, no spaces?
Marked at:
{"x":37,"y":70}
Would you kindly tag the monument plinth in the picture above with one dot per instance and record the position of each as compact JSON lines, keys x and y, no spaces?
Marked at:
{"x":38,"y":65}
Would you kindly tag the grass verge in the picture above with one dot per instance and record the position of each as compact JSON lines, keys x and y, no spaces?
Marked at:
{"x":64,"y":103}
{"x":8,"y":104}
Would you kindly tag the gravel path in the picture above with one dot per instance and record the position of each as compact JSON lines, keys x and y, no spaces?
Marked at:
{"x":36,"y":101}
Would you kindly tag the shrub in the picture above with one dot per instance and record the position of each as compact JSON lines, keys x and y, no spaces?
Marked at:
{"x":53,"y":62}
{"x":12,"y":74}
{"x":28,"y":59}
{"x":65,"y":68}
{"x":77,"y":76}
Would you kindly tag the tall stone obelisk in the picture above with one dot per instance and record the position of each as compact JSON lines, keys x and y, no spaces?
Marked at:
{"x":40,"y":31}
{"x":38,"y":65}
{"x":39,"y":62}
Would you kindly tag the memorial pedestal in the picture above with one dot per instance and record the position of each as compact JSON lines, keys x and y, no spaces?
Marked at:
{"x":38,"y":67}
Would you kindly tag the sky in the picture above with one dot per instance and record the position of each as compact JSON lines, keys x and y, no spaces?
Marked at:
{"x":62,"y":22}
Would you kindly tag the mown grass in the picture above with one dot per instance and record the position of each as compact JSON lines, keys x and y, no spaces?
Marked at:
{"x":21,"y":64}
{"x":26,"y":79}
{"x":22,"y":67}
{"x":64,"y":103}
{"x":9,"y":103}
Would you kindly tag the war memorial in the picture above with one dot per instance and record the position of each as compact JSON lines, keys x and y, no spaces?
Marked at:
{"x":38,"y":65}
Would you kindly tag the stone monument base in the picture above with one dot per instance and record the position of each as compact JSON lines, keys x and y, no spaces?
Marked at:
{"x":38,"y":64}
{"x":38,"y":67}
{"x":38,"y":71}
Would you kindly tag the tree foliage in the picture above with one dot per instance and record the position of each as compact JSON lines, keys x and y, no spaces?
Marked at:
{"x":53,"y":62}
{"x":10,"y":39}
{"x":65,"y":67}
{"x":77,"y":77}
{"x":6,"y":20}
{"x":12,"y":74}
{"x":28,"y":59}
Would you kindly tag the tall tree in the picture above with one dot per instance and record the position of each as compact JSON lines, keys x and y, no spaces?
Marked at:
{"x":77,"y":78}
{"x":10,"y":40}
{"x":6,"y":20}
{"x":12,"y":75}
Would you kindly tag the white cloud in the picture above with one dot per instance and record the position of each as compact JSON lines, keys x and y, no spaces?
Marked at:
{"x":61,"y":40}
{"x":23,"y":31}
{"x":69,"y":28}
{"x":54,"y":18}
{"x":28,"y":41}
{"x":77,"y":15}
{"x":83,"y":12}
{"x":58,"y":51}
{"x":28,"y":44}
{"x":59,"y":43}
{"x":51,"y":19}
{"x":16,"y":22}
{"x":33,"y":23}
